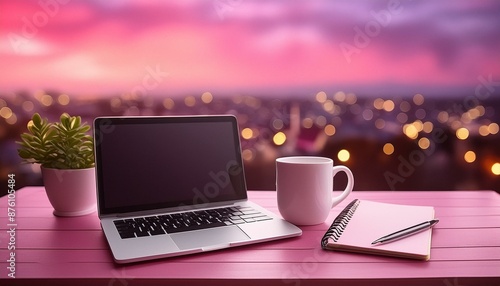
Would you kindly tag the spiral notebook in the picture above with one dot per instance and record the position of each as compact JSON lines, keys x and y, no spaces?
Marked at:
{"x":362,"y":221}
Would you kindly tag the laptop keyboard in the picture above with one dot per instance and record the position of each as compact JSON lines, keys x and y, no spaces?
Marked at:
{"x":172,"y":223}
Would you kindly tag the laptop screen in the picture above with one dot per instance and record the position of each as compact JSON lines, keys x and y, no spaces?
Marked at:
{"x":146,"y":163}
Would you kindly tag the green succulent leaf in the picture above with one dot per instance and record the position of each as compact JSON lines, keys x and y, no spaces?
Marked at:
{"x":62,"y":145}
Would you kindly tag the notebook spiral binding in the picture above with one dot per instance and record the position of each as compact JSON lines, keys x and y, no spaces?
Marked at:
{"x":340,"y":223}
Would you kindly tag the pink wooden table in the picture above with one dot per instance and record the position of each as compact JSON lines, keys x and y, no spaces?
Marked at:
{"x":73,"y":251}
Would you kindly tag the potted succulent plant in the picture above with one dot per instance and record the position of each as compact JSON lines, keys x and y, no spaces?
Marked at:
{"x":66,"y":154}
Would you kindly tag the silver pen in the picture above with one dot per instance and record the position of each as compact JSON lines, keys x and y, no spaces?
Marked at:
{"x":406,"y":232}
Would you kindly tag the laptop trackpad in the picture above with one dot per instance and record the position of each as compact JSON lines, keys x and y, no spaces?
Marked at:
{"x":206,"y":238}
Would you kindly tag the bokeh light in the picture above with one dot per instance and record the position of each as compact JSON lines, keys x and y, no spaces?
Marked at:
{"x":388,"y":105}
{"x":247,"y":133}
{"x":279,"y":138}
{"x":495,"y":169}
{"x":411,"y":131}
{"x":470,"y":156}
{"x":321,"y":96}
{"x":168,"y":103}
{"x":378,"y":103}
{"x":462,"y":133}
{"x":63,"y":99}
{"x":330,"y":130}
{"x":388,"y":148}
{"x":343,"y":155}
{"x":418,"y":99}
{"x":424,"y":143}
{"x":207,"y":97}
{"x":190,"y":101}
{"x":493,"y":128}
{"x":5,"y":112}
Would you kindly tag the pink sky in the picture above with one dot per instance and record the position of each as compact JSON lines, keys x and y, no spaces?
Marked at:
{"x":282,"y":47}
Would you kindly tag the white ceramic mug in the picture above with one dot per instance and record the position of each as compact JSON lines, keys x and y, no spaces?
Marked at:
{"x":304,"y":188}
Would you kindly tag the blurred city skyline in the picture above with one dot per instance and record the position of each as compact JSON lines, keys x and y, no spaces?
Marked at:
{"x":267,"y":48}
{"x":367,"y":83}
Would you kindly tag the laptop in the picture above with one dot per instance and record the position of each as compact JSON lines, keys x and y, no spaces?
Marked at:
{"x":175,"y":185}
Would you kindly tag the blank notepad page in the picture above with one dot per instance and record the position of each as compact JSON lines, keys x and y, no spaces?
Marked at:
{"x":370,"y":220}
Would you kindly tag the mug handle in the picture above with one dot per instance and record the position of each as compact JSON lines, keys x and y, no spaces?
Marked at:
{"x":349,"y":186}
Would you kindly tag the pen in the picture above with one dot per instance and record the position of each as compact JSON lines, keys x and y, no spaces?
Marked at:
{"x":406,"y":232}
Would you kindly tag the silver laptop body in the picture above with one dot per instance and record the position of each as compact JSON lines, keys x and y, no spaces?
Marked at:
{"x":175,"y":185}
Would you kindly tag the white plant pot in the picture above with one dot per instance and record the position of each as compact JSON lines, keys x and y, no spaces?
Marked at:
{"x":72,"y":192}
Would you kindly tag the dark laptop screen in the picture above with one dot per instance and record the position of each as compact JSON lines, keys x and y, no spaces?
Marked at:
{"x":147,"y":163}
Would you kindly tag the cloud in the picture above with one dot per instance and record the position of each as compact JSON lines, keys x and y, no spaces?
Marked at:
{"x":238,"y":45}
